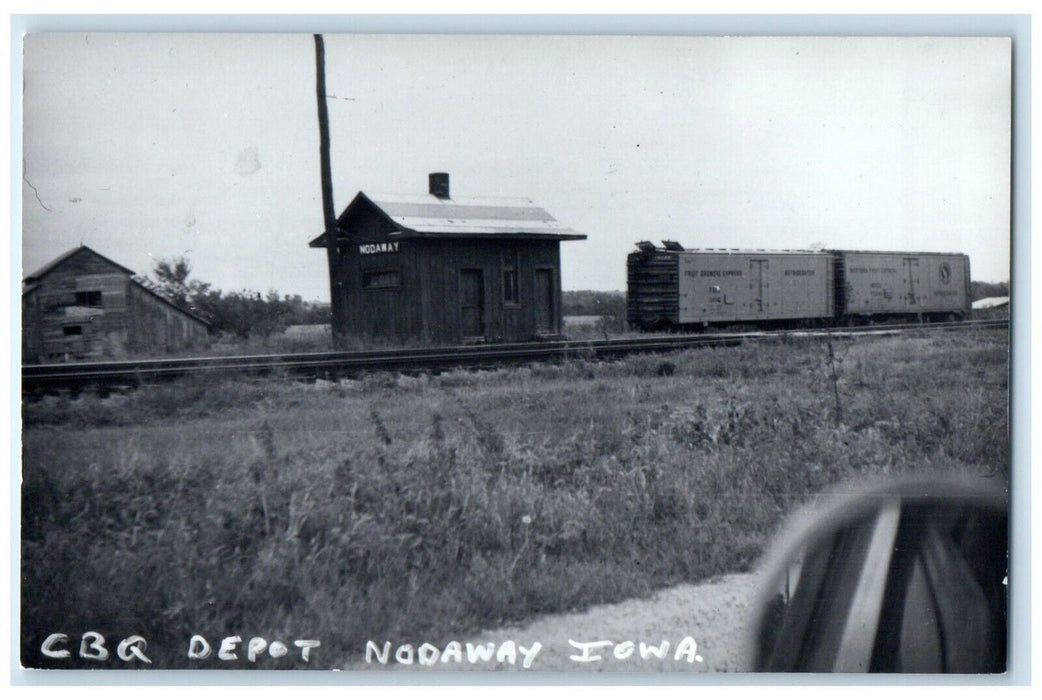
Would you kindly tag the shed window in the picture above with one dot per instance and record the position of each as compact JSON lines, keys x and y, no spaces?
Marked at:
{"x":72,"y":330}
{"x":381,"y":279}
{"x":92,"y":298}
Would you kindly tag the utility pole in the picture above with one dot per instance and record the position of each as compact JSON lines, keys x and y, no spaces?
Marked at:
{"x":328,"y":210}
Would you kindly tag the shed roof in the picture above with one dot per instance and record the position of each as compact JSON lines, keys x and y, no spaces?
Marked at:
{"x":43,"y":271}
{"x":428,"y":216}
{"x":991,"y":303}
{"x":164,"y":300}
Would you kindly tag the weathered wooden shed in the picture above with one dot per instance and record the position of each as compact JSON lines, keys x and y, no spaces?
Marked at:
{"x":83,"y":306}
{"x":432,"y":268}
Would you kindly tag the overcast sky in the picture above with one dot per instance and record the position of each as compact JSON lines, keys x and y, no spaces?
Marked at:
{"x":156,"y":145}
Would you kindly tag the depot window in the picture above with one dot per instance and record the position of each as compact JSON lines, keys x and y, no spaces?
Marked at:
{"x":381,"y":279}
{"x":72,"y":330}
{"x":511,"y":293}
{"x":511,"y":280}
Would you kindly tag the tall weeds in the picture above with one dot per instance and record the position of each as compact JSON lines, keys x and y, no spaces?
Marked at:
{"x":422,"y":510}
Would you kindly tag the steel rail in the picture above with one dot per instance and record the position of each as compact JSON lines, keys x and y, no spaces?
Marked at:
{"x":74,"y":375}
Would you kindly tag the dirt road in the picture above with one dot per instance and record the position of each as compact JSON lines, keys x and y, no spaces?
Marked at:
{"x":704,"y":626}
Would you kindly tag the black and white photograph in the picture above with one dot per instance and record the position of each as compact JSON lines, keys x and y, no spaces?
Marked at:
{"x":426,"y":353}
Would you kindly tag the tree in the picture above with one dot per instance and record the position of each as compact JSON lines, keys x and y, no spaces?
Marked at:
{"x":984,"y":290}
{"x":172,"y":279}
{"x":171,"y":282}
{"x":244,"y":313}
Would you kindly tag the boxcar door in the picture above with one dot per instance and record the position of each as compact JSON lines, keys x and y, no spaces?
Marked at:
{"x":544,"y":301}
{"x":911,"y":273}
{"x":758,"y":285}
{"x":472,"y":303}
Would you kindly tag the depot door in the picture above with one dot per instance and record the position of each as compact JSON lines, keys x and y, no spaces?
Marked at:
{"x":544,"y":301}
{"x":472,"y":303}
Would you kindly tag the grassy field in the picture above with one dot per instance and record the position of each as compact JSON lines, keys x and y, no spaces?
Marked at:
{"x":426,"y":508}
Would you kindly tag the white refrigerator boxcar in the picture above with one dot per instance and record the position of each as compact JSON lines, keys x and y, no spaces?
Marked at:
{"x":721,"y":286}
{"x":882,"y":283}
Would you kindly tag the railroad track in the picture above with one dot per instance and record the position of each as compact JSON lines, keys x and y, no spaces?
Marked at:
{"x":108,"y":375}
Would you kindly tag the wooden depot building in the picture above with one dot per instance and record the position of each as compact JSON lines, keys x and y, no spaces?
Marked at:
{"x":443,"y":270}
{"x":83,"y":306}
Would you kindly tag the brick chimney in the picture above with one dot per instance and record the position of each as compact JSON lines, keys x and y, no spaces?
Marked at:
{"x":439,"y":185}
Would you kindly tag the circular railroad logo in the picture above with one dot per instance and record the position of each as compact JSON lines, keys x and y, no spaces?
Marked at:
{"x":946,"y":273}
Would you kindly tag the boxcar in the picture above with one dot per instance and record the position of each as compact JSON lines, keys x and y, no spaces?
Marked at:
{"x":881,"y":285}
{"x":671,"y":288}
